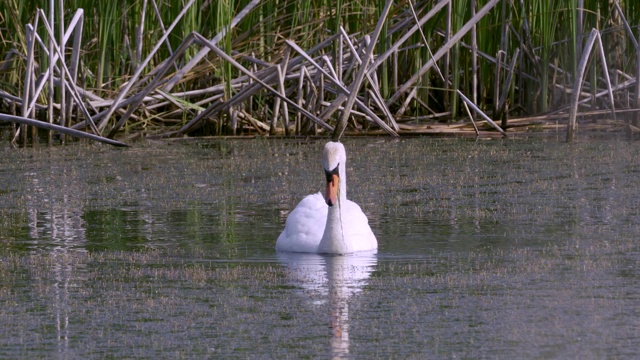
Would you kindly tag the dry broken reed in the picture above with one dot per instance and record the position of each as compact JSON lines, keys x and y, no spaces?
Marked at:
{"x":160,"y":69}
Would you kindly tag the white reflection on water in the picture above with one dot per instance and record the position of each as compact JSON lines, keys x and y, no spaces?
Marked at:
{"x":56,"y":224}
{"x":333,"y":279}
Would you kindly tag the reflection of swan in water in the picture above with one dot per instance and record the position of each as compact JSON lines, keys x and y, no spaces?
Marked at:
{"x":332,"y":278}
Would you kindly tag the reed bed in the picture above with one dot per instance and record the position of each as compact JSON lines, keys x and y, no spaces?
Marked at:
{"x":167,"y":68}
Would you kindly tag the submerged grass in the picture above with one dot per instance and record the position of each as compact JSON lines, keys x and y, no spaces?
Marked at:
{"x":173,"y":265}
{"x":160,"y":300}
{"x":539,"y":258}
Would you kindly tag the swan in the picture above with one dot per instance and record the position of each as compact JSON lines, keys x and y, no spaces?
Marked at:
{"x":329,"y":223}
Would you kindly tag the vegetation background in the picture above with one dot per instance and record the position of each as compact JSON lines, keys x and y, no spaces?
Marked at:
{"x":519,"y":59}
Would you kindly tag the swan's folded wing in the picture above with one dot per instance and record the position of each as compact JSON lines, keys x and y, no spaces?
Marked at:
{"x":305,"y":226}
{"x":358,"y":229}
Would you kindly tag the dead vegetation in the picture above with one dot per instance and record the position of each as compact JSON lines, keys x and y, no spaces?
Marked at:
{"x":497,"y":67}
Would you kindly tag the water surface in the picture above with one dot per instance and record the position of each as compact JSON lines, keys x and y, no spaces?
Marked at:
{"x":500,"y":248}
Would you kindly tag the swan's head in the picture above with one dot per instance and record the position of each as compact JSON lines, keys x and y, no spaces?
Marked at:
{"x":334,"y":158}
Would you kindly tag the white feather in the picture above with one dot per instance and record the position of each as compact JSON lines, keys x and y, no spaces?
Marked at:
{"x":315,"y":227}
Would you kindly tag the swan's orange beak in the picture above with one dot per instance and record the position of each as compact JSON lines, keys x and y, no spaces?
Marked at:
{"x":333,"y":184}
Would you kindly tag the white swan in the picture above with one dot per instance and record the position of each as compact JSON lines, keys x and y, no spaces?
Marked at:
{"x":328,"y":224}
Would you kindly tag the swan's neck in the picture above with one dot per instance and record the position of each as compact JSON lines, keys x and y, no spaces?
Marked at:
{"x":333,"y":240}
{"x":343,"y":182}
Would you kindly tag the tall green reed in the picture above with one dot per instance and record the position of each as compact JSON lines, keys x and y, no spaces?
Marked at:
{"x":551,"y":39}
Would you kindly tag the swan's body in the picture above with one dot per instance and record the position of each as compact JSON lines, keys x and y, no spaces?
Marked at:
{"x":328,"y":224}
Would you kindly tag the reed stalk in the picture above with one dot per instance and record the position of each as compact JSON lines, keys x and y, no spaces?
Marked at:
{"x":593,"y":40}
{"x":148,"y":65}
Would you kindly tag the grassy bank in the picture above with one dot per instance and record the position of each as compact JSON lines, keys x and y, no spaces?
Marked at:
{"x":198,"y":67}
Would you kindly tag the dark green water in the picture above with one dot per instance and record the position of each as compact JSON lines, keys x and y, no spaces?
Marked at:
{"x":488,"y":249}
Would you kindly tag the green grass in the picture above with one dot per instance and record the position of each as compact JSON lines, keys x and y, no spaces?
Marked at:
{"x":548,"y":32}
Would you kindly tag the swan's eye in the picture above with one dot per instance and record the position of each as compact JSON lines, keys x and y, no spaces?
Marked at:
{"x":329,"y":174}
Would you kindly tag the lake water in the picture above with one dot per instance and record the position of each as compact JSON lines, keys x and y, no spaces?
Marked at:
{"x":521,"y":248}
